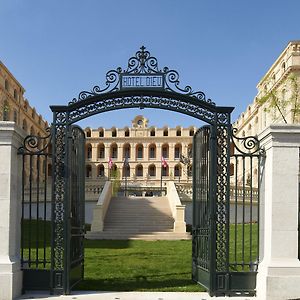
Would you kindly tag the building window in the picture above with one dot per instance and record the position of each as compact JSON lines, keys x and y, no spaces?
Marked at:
{"x":165,"y":151}
{"x":126,"y":151}
{"x":114,"y":151}
{"x":89,"y":151}
{"x":114,"y":132}
{"x":126,"y":132}
{"x":15,"y":94}
{"x":177,"y":171}
{"x":101,"y":132}
{"x":139,"y":151}
{"x":190,"y":171}
{"x":166,"y":132}
{"x":88,"y":133}
{"x":152,"y":151}
{"x":139,"y":171}
{"x":6,"y":85}
{"x":101,"y":171}
{"x":101,"y":151}
{"x":165,"y":171}
{"x":177,"y":151}
{"x":191,"y":132}
{"x":178,"y":132}
{"x":152,"y":132}
{"x":152,"y":171}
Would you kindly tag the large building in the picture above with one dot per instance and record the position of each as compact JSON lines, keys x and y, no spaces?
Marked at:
{"x":15,"y":107}
{"x":137,"y":153}
{"x":278,"y":96}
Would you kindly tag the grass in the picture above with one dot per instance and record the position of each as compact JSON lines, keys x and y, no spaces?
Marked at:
{"x":143,"y":265}
{"x":138,"y":266}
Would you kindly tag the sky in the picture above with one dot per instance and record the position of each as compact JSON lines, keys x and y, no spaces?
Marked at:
{"x":58,"y":48}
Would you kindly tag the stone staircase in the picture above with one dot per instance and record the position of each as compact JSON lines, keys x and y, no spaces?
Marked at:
{"x":143,"y":218}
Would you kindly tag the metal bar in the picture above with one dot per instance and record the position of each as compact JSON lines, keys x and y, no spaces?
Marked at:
{"x":37,"y":208}
{"x":45,"y":208}
{"x":23,"y":204}
{"x":243,"y":220}
{"x":30,"y":212}
{"x":235,"y":210}
{"x":251,"y":206}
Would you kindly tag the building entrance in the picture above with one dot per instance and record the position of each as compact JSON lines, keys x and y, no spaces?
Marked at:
{"x":215,"y":239}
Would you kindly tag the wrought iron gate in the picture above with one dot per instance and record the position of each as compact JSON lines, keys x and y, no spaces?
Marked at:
{"x":42,"y":219}
{"x":67,"y":264}
{"x":225,"y":233}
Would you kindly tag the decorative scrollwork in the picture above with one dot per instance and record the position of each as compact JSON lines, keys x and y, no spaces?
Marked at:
{"x":36,"y":144}
{"x":142,"y":64}
{"x":246,"y":145}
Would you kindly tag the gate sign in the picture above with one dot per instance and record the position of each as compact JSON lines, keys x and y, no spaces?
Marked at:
{"x":142,"y":81}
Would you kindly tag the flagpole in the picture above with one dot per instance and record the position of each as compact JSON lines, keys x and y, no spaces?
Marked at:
{"x":161,"y":180}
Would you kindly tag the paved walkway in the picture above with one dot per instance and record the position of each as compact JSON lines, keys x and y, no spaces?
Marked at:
{"x":129,"y":296}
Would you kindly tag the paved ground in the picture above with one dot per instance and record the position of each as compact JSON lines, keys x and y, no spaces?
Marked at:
{"x":129,"y":296}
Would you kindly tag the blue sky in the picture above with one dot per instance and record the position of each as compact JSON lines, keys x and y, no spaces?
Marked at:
{"x":58,"y":48}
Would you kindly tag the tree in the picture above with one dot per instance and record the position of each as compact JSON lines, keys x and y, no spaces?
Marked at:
{"x":275,"y":103}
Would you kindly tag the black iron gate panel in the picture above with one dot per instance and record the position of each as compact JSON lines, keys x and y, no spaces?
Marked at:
{"x":75,"y":205}
{"x":36,"y":212}
{"x":202,"y":212}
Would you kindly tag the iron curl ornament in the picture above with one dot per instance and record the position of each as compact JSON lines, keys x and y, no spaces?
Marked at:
{"x":246,"y":145}
{"x":35,"y":144}
{"x":142,"y":64}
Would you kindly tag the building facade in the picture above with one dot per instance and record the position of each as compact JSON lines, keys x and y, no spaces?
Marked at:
{"x":138,"y":152}
{"x":278,"y":96}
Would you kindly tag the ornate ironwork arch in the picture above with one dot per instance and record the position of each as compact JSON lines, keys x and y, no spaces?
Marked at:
{"x":142,"y":84}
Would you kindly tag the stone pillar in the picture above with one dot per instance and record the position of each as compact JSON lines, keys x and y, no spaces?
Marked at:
{"x":11,"y":138}
{"x":279,"y":270}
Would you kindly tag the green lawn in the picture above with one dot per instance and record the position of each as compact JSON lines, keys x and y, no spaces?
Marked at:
{"x":142,"y":265}
{"x":138,"y":266}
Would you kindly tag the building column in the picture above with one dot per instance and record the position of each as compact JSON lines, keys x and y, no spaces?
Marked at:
{"x":11,"y":138}
{"x":279,"y":269}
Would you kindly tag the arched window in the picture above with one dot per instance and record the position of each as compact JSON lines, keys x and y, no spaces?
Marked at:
{"x":15,"y":116}
{"x":283,"y":67}
{"x":113,"y":132}
{"x":139,"y":151}
{"x":152,"y":171}
{"x":114,"y":151}
{"x":6,"y":84}
{"x":139,"y":170}
{"x":190,"y":171}
{"x":88,"y":132}
{"x":33,"y":113}
{"x":191,"y":131}
{"x":89,"y":151}
{"x":101,"y":132}
{"x":100,"y":171}
{"x":177,"y":171}
{"x":126,"y":150}
{"x":178,"y":131}
{"x":165,"y":132}
{"x":88,"y":170}
{"x":126,"y":132}
{"x":165,"y":171}
{"x":190,"y":150}
{"x":101,"y":151}
{"x":152,"y":132}
{"x":15,"y":94}
{"x":165,"y":151}
{"x":152,"y":151}
{"x":177,"y":151}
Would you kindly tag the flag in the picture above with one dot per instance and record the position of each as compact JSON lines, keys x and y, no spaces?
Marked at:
{"x":110,"y":163}
{"x":164,"y":162}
